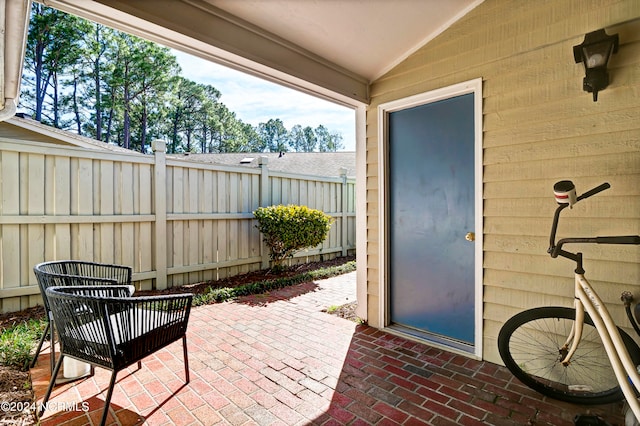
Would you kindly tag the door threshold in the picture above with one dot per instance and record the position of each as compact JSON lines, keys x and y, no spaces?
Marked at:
{"x":434,"y":340}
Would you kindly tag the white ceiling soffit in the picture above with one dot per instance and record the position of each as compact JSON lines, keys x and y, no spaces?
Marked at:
{"x":14,"y":24}
{"x":329,"y":48}
{"x":367,"y":37}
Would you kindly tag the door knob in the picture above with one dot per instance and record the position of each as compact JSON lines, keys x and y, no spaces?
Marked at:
{"x":471,"y":236}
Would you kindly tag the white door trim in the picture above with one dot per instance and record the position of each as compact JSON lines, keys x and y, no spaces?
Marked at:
{"x":471,"y":86}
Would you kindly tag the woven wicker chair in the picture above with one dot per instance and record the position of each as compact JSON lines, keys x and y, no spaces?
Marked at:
{"x":71,"y":272}
{"x":104,"y":327}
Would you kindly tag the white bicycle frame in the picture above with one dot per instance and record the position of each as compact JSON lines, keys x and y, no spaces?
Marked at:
{"x":624,"y":368}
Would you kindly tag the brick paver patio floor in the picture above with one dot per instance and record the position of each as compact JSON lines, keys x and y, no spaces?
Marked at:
{"x":277,"y":359}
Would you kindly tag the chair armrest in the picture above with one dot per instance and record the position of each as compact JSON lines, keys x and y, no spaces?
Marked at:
{"x":120,"y":273}
{"x":177,"y":305}
{"x":95,"y":290}
{"x":165,"y":317}
{"x":80,"y":280}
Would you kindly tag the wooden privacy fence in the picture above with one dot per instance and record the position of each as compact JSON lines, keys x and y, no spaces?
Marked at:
{"x":173,"y":221}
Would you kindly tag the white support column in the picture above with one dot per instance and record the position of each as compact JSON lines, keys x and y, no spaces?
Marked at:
{"x":14,"y":27}
{"x":362,"y":274}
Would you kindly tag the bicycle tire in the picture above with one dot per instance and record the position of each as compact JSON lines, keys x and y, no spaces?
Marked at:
{"x":530,"y":346}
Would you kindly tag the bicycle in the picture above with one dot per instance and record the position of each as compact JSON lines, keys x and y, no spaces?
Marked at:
{"x":576,"y":354}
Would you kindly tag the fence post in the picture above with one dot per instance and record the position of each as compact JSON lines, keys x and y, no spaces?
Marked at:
{"x":265,"y":201}
{"x":160,"y":196}
{"x":345,"y":207}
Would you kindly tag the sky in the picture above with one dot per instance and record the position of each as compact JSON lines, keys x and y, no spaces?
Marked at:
{"x":255,"y":100}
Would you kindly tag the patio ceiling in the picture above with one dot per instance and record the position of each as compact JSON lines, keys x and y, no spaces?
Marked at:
{"x":330,"y":48}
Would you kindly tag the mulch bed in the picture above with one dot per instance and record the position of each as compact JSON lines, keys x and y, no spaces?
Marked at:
{"x":16,"y":398}
{"x":250,"y":277}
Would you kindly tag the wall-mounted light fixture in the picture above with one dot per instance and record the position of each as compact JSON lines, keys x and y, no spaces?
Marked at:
{"x":594,"y":53}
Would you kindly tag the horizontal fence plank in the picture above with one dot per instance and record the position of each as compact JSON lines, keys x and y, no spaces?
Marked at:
{"x":19,"y":291}
{"x":178,"y":163}
{"x":41,"y":148}
{"x":208,"y":216}
{"x":60,"y":219}
{"x":213,"y":265}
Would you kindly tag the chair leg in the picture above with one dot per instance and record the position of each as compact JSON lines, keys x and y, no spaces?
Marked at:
{"x":186,"y":357}
{"x":44,"y":335}
{"x":52,"y":327}
{"x":51,"y":385}
{"x":107,"y":400}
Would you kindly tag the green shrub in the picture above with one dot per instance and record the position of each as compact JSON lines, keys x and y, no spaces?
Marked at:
{"x":17,"y":342}
{"x":288,"y":229}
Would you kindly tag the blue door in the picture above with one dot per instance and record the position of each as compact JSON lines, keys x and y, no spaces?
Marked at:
{"x":431,"y":220}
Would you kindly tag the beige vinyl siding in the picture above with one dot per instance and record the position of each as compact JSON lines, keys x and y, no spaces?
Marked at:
{"x":539,"y":127}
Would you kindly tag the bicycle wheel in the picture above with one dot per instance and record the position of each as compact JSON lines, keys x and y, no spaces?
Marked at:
{"x":530,"y":345}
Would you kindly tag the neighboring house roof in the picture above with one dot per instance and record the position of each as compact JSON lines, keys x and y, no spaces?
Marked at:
{"x":32,"y":130}
{"x":307,"y":163}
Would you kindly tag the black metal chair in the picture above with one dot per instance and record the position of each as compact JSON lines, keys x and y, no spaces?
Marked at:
{"x":69,"y":272}
{"x":103,"y":326}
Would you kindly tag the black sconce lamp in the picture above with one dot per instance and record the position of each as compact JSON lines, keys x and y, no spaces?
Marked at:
{"x":594,"y":53}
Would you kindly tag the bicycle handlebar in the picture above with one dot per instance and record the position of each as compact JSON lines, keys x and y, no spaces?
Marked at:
{"x":594,"y":191}
{"x":628,"y":239}
{"x":556,"y":250}
{"x":565,"y":195}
